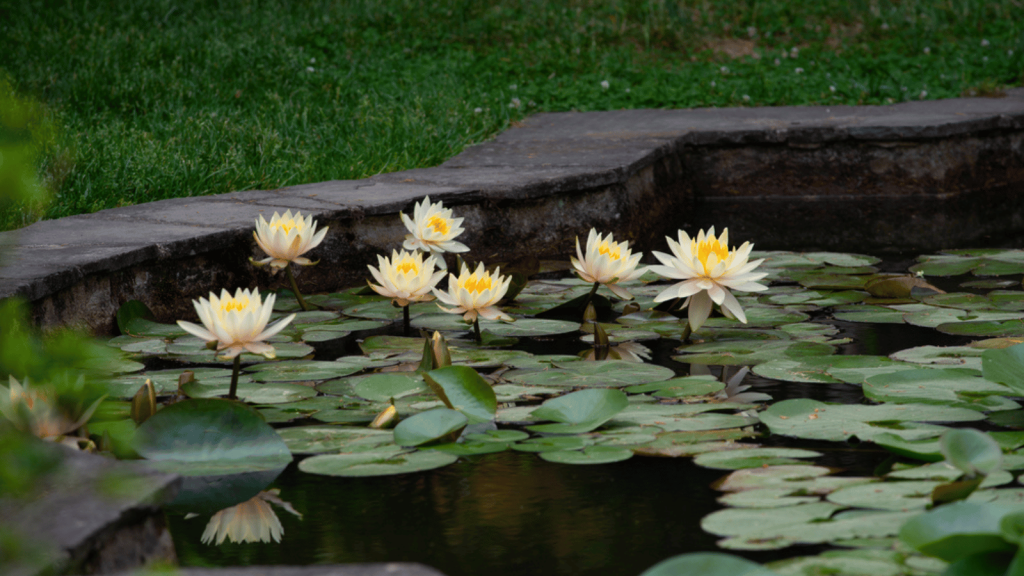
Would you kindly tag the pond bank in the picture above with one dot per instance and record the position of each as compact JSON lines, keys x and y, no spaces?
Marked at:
{"x":916,"y":175}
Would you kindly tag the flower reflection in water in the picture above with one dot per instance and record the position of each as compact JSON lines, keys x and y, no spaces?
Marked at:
{"x":251,"y":521}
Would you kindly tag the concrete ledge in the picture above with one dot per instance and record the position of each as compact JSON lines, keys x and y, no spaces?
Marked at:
{"x":92,"y":515}
{"x":911,"y":176}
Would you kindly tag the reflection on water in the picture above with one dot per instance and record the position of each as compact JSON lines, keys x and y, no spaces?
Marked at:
{"x":251,"y":521}
{"x":507,"y":513}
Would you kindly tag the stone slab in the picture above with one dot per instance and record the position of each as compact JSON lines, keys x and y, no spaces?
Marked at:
{"x":92,"y":515}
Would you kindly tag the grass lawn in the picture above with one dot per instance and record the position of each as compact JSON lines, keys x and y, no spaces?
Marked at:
{"x":157,"y":99}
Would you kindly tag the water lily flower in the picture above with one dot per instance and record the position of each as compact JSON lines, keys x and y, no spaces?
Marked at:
{"x":607,"y":262}
{"x":251,"y":521}
{"x":433,"y":229}
{"x":708,"y":270}
{"x":475,"y":294}
{"x":236,"y":323}
{"x":286,"y":238}
{"x":405,"y":277}
{"x":36,"y":409}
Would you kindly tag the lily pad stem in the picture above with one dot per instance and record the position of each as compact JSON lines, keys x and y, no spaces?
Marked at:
{"x":685,"y":337}
{"x":232,"y":392}
{"x":405,"y":318}
{"x":476,"y":330}
{"x":295,"y":289}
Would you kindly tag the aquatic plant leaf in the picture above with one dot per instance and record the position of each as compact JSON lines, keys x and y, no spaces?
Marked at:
{"x":580,"y":411}
{"x":502,"y":436}
{"x":470,"y":448}
{"x":300,"y":371}
{"x":251,"y":392}
{"x":841,"y":258}
{"x":958,"y":530}
{"x":940,"y":386}
{"x":750,"y":352}
{"x":988,"y":329}
{"x":897,"y":286}
{"x":604,"y":373}
{"x":429,"y":426}
{"x":757,"y":317}
{"x":945,"y":265}
{"x":210,"y":436}
{"x":553,"y":443}
{"x":797,"y":478}
{"x":383,"y":463}
{"x":381,"y":309}
{"x":1005,"y":366}
{"x":926,"y":450}
{"x":868,"y":562}
{"x":766,"y":498}
{"x":903,"y":495}
{"x":952,"y":356}
{"x":320,"y":439}
{"x":740,"y":521}
{"x":819,"y":369}
{"x":752,"y":458}
{"x":467,"y":392}
{"x":870,"y":314}
{"x":823,"y":280}
{"x":707,"y":564}
{"x":675,"y":444}
{"x":849,"y":526}
{"x":590,"y":455}
{"x":810,"y":419}
{"x":971,"y":451}
{"x":384,"y":386}
{"x":702,"y":385}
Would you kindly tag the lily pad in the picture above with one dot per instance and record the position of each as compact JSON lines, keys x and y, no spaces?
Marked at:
{"x":707,"y":564}
{"x":300,"y":371}
{"x":466,"y":391}
{"x":320,"y":439}
{"x":589,"y":455}
{"x":819,"y":369}
{"x":604,"y":374}
{"x":753,"y":458}
{"x":383,"y":463}
{"x":384,"y":386}
{"x":580,"y":411}
{"x":943,"y":387}
{"x":749,"y":352}
{"x":813,"y":420}
{"x":428,"y":426}
{"x":253,"y":393}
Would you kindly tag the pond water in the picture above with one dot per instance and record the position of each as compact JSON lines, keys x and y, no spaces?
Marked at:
{"x":512,"y":512}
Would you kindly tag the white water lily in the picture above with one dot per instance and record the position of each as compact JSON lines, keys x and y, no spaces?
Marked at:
{"x":708,"y":270}
{"x":237,"y":323}
{"x":433,"y":229}
{"x":475,"y":294}
{"x":36,"y":409}
{"x":607,"y":262}
{"x":286,"y":238}
{"x":406,"y":277}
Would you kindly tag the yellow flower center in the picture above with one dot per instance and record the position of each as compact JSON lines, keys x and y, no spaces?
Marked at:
{"x":407,"y":266}
{"x":438,"y":224}
{"x":612,"y":251}
{"x":708,"y":247}
{"x":287,"y":225}
{"x":234,"y":305}
{"x":477,"y":284}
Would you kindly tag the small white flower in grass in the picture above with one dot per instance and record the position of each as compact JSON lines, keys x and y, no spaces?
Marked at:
{"x":604,"y":84}
{"x":433,"y":229}
{"x":794,"y":52}
{"x":777,"y":62}
{"x":712,"y":83}
{"x":984,"y":58}
{"x":286,"y":238}
{"x":406,"y":277}
{"x":477,"y":110}
{"x":799,"y":70}
{"x":885,"y":25}
{"x":923,"y":94}
{"x":746,"y":98}
{"x":515,"y":103}
{"x":725,"y":70}
{"x":607,"y":262}
{"x":927,"y":50}
{"x":237,"y":323}
{"x":310,"y":69}
{"x":708,"y":270}
{"x":984,"y":42}
{"x":831,"y":88}
{"x":627,"y":90}
{"x":512,"y":86}
{"x":475,"y":294}
{"x":1009,"y":52}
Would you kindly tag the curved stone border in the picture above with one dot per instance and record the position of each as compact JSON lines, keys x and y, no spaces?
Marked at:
{"x":920,"y":175}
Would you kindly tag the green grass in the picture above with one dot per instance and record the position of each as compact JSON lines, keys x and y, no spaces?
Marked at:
{"x":165,"y":98}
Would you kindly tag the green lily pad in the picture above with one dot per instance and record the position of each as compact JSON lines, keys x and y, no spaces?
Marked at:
{"x":753,"y":458}
{"x":813,"y":420}
{"x":300,"y":370}
{"x":870,"y":314}
{"x":896,"y":496}
{"x":210,"y":437}
{"x":320,"y":439}
{"x":604,"y":373}
{"x":940,"y":386}
{"x":428,"y":426}
{"x":707,"y":564}
{"x":758,"y":317}
{"x":466,"y":391}
{"x":251,"y":392}
{"x":989,"y":329}
{"x":819,"y":369}
{"x":703,"y":385}
{"x":589,"y":455}
{"x":749,"y":352}
{"x":383,"y":463}
{"x":580,"y":411}
{"x":553,"y":443}
{"x":387,"y":385}
{"x":851,"y":525}
{"x":952,"y":356}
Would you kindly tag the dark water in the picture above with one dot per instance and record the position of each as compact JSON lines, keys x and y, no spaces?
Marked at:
{"x":513,"y":513}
